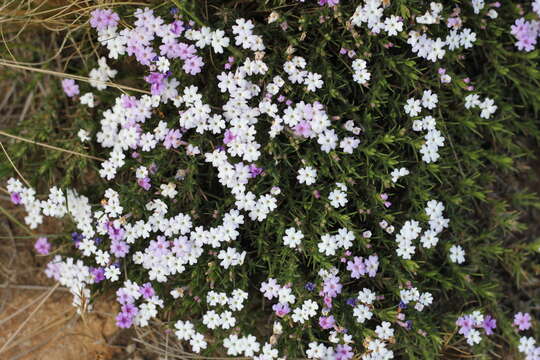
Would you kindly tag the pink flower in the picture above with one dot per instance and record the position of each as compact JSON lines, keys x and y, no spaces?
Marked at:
{"x":70,"y":88}
{"x":303,"y":128}
{"x":281,"y":309}
{"x":42,"y":246}
{"x":327,"y":322}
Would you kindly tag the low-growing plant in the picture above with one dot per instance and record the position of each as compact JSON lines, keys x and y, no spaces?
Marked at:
{"x":306,"y":179}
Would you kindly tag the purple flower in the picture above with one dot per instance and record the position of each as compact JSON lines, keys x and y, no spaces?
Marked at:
{"x":177,"y":27}
{"x":147,"y":291}
{"x":254,"y":170}
{"x":130,"y":310}
{"x":172,"y":139}
{"x":15,"y":198}
{"x":357,"y":267}
{"x":310,"y":286}
{"x":101,"y":19}
{"x":42,"y":246}
{"x":281,"y":309}
{"x":123,"y":320}
{"x":351,"y":301}
{"x":228,"y":137}
{"x":328,"y":2}
{"x":332,"y":287}
{"x":327,"y":322}
{"x":489,"y":324}
{"x":193,"y":65}
{"x":119,"y":248}
{"x":144,"y":183}
{"x":466,"y":323}
{"x":525,"y":33}
{"x":343,"y":352}
{"x":116,"y":234}
{"x":156,"y":81}
{"x":98,"y":274}
{"x":70,"y":88}
{"x":522,"y":321}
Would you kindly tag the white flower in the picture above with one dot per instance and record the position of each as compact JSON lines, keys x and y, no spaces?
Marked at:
{"x":362,"y":313}
{"x":473,"y":337}
{"x":83,"y":135}
{"x":412,"y":108}
{"x":184,"y":330}
{"x":384,"y":331}
{"x":292,"y":238}
{"x":307,"y":175}
{"x":87,"y":99}
{"x":197,"y":342}
{"x":457,"y":254}
{"x":313,"y":81}
{"x":429,"y":99}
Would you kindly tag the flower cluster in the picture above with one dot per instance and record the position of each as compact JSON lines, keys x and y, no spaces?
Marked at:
{"x":487,"y":106}
{"x":470,"y":324}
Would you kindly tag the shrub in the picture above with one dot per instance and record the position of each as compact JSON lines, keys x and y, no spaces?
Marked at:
{"x":306,"y":179}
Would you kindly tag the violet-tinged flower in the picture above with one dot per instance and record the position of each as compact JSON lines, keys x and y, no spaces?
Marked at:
{"x":147,"y":291}
{"x":172,"y":139}
{"x":98,"y":274}
{"x":101,"y":19}
{"x":489,"y":324}
{"x":351,"y":301}
{"x":42,"y":246}
{"x":356,"y":267}
{"x":76,"y":237}
{"x":310,"y":286}
{"x":144,"y":183}
{"x":159,"y":247}
{"x":281,"y":309}
{"x":70,"y":88}
{"x":466,"y":323}
{"x":254,"y":170}
{"x":116,"y":234}
{"x":522,"y":321}
{"x":402,"y":305}
{"x":177,"y":27}
{"x":130,"y":310}
{"x":327,"y":302}
{"x":119,"y":248}
{"x":15,"y":198}
{"x":327,"y":322}
{"x":332,"y":287}
{"x":193,"y":65}
{"x":343,"y":352}
{"x":328,"y":2}
{"x":228,"y":137}
{"x":123,"y":320}
{"x":372,"y":265}
{"x":303,"y":128}
{"x":123,"y":297}
{"x":408,"y":324}
{"x":156,"y":81}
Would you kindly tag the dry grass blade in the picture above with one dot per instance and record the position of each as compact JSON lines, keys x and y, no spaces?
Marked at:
{"x":50,"y":147}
